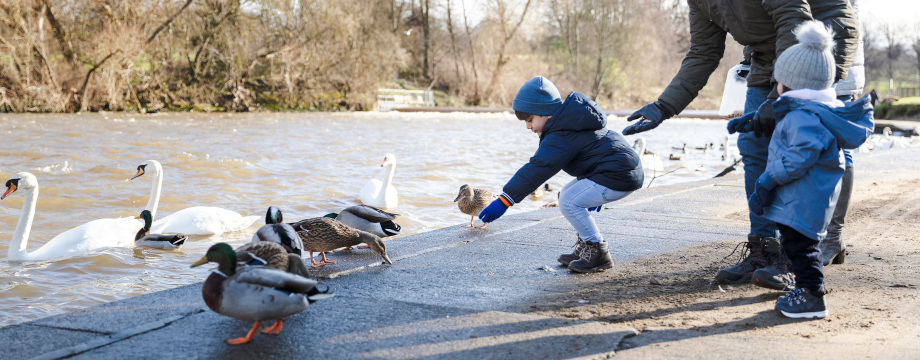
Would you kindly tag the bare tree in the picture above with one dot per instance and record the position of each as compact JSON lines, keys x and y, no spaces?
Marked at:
{"x":508,"y":27}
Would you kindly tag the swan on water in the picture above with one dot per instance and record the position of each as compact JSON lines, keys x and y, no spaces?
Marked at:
{"x":650,"y":160}
{"x":86,"y":238}
{"x":196,"y":220}
{"x":379,"y":192}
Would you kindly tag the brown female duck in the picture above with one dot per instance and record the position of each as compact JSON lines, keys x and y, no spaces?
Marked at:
{"x":472,"y":201}
{"x":273,"y":255}
{"x":325,"y":234}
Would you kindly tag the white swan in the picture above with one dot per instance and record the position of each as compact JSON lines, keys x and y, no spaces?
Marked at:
{"x":89,"y":237}
{"x":650,"y":160}
{"x":196,"y":220}
{"x":728,"y":152}
{"x":379,"y":192}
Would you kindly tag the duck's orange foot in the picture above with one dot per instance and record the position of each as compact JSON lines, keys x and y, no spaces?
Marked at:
{"x":324,"y":261}
{"x":275,"y":329}
{"x":483,"y":226}
{"x":245,"y":339}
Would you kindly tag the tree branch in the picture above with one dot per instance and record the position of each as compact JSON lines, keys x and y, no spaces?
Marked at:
{"x":168,"y":21}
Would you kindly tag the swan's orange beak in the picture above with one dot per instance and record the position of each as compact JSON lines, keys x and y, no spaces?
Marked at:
{"x":139,"y":173}
{"x":9,"y":190}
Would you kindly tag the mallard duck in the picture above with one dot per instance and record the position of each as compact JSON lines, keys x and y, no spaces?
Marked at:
{"x":158,"y":241}
{"x":472,"y":201}
{"x":276,"y":231}
{"x":196,"y":220}
{"x":254,"y":293}
{"x":273,"y":255}
{"x":368,"y":218}
{"x":324,"y":234}
{"x":379,"y":192}
{"x":86,"y":238}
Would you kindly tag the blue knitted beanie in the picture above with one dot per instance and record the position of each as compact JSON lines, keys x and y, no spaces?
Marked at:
{"x":538,"y":96}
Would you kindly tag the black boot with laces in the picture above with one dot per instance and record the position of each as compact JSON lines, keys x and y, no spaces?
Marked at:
{"x":741,"y":272}
{"x":565,"y":259}
{"x":595,"y":257}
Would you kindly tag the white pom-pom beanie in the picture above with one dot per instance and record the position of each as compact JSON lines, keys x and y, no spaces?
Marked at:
{"x":810,"y":63}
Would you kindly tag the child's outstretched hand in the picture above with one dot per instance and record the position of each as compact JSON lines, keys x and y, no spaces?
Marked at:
{"x":495,"y":210}
{"x":596,"y":208}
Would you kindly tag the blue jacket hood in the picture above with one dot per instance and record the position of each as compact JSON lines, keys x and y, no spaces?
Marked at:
{"x":579,"y":113}
{"x":851,"y":124}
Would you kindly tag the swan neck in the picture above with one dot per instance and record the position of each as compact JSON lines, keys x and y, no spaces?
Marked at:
{"x":390,"y":170}
{"x":17,"y":249}
{"x":154,"y":200}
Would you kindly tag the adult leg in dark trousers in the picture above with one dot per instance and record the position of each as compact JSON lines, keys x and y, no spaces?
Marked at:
{"x":832,"y":247}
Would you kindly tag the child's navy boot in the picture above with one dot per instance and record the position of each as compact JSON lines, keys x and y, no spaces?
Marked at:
{"x":802,"y":303}
{"x":565,"y":259}
{"x":595,"y":257}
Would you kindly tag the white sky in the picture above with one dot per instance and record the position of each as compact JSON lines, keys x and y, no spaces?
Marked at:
{"x":897,"y":12}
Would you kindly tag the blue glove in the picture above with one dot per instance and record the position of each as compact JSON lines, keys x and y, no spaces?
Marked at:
{"x":762,"y":197}
{"x":496,"y":209}
{"x":596,"y":208}
{"x":761,"y":122}
{"x":651,"y":116}
{"x":741,"y":124}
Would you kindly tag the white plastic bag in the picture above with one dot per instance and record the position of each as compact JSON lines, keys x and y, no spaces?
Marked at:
{"x":734,"y":93}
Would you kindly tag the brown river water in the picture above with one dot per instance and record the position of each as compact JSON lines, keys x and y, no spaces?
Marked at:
{"x":308,"y":164}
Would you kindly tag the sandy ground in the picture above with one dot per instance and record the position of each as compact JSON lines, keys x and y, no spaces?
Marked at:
{"x":873,"y":299}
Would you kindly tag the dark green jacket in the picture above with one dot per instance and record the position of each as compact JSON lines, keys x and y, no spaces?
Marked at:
{"x":765,"y":26}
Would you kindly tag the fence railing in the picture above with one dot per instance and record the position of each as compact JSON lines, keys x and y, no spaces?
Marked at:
{"x":390,"y":99}
{"x":894,"y":88}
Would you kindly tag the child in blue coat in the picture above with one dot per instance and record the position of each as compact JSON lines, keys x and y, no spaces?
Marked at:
{"x":573,"y":138}
{"x":800,"y":186}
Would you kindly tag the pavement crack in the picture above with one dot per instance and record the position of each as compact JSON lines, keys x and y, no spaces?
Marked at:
{"x":73,"y":329}
{"x":112,"y":338}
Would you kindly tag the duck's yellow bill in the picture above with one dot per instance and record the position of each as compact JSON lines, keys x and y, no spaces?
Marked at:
{"x":202,"y":261}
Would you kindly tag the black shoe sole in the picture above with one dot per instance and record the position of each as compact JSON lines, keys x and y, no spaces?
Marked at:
{"x":744,"y":279}
{"x":771,"y":284}
{"x":591,"y":270}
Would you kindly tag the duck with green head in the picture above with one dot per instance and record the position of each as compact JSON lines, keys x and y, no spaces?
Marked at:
{"x":279,"y":232}
{"x":157,"y":241}
{"x":254,"y":293}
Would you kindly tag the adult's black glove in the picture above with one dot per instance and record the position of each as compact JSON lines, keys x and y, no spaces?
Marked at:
{"x":762,"y":122}
{"x":651,"y":116}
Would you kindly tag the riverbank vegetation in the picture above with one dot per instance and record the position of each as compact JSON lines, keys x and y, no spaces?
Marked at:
{"x":245,"y":55}
{"x":904,"y":108}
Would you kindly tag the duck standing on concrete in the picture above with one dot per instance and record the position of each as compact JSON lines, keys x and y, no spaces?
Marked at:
{"x":157,"y":241}
{"x":276,"y":231}
{"x":368,"y":218}
{"x":471,"y":201}
{"x":273,"y":255}
{"x":324,"y":234}
{"x":254,"y":293}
